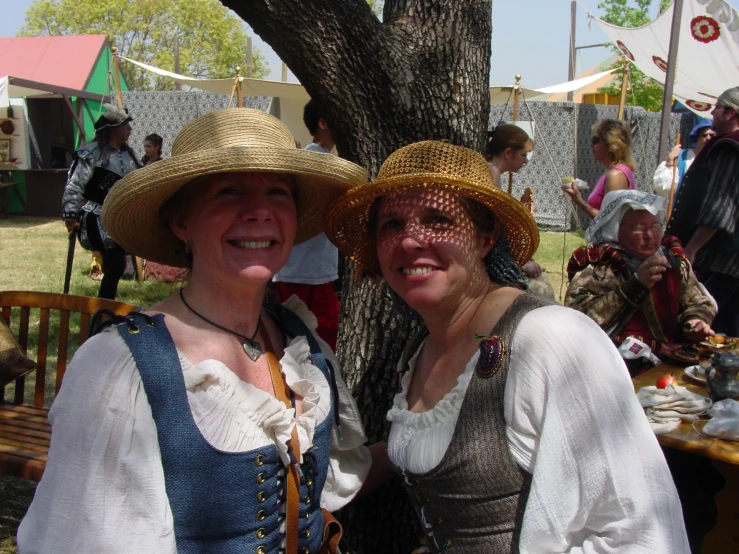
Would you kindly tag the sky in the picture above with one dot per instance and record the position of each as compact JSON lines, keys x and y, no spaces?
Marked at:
{"x":530,"y":37}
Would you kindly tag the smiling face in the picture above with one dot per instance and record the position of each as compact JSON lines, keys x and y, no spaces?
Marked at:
{"x":239,"y":225}
{"x":640,"y":233}
{"x":429,"y":250}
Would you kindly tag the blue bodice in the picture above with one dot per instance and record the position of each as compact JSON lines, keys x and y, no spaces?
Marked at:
{"x":224,"y":502}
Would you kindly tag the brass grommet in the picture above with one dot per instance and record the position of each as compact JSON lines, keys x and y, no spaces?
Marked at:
{"x":307,"y":534}
{"x":134,"y":330}
{"x":260,"y":550}
{"x":307,"y":499}
{"x":261,"y":514}
{"x":309,"y":482}
{"x":260,"y":533}
{"x":261,"y":496}
{"x":259,"y":460}
{"x":261,"y":478}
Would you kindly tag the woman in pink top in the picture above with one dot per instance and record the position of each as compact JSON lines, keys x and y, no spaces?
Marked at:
{"x":611,"y":145}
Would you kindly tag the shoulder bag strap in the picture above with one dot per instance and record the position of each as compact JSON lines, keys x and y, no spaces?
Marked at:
{"x":292,"y":479}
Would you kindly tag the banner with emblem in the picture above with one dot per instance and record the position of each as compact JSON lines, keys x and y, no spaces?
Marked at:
{"x":708,"y":51}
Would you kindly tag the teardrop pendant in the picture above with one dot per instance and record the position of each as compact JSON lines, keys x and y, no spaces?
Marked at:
{"x":253,"y":349}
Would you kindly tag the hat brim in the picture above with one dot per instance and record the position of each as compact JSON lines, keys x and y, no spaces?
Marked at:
{"x":132,"y":210}
{"x":110,"y":123}
{"x":346,"y":218}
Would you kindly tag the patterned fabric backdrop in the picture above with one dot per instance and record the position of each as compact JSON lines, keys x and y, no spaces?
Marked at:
{"x":562,"y":136}
{"x":166,"y":113}
{"x":563,"y":133}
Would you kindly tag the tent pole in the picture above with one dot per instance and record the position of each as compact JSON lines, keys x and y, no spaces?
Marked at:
{"x":516,"y":92}
{"x":176,"y":47}
{"x":77,"y":119}
{"x":573,"y":28}
{"x":249,"y":59}
{"x":664,"y":134}
{"x":117,"y":77}
{"x":624,"y":87}
{"x":239,"y":95}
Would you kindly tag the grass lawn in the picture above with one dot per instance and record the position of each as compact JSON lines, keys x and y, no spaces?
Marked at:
{"x":32,"y":257}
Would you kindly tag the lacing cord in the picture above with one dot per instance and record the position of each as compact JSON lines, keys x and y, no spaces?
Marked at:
{"x":334,"y":397}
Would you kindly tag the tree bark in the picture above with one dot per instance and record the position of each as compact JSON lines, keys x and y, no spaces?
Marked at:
{"x":422,"y":73}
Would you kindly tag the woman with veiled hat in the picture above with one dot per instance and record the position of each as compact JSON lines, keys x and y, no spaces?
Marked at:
{"x":634,"y":281}
{"x":509,"y":434}
{"x":214,"y":421}
{"x":96,"y":168}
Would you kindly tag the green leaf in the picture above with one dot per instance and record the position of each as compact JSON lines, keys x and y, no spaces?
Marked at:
{"x":212,"y":40}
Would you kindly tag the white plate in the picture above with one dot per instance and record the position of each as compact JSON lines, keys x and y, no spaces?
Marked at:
{"x":695,"y":373}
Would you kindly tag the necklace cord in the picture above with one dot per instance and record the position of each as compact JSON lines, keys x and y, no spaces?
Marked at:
{"x":201,"y":316}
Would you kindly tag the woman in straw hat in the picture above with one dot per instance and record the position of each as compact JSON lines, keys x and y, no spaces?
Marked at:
{"x":178,"y":429}
{"x":516,"y":427}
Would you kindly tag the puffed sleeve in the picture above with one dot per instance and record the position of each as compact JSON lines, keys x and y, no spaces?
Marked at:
{"x":663,"y":180}
{"x":350,"y":459}
{"x":600,"y":483}
{"x":103,"y":488}
{"x":79,"y":175}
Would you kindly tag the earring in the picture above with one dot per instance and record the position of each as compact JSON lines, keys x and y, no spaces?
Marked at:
{"x":188,"y":247}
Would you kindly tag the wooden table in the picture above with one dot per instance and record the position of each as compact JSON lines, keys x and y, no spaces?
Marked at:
{"x":685,"y":437}
{"x":724,"y":538}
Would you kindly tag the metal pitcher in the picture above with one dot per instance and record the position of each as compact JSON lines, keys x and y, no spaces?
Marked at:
{"x":723,"y":377}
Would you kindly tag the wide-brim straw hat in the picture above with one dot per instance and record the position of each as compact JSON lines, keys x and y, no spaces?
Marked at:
{"x":427,"y":165}
{"x":224,"y":141}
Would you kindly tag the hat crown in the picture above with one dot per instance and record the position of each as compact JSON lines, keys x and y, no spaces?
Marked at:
{"x":232,"y":128}
{"x":432,"y":157}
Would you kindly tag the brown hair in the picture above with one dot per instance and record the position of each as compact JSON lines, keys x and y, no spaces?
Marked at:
{"x":617,"y":137}
{"x":507,"y":136}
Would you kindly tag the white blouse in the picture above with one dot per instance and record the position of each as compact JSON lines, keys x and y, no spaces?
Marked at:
{"x":600,"y":482}
{"x":663,"y":175}
{"x":103,"y":488}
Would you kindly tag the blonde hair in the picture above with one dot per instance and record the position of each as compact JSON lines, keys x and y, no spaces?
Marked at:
{"x":617,"y":137}
{"x":507,"y":136}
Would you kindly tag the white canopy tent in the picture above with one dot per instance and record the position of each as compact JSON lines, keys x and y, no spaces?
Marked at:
{"x":708,"y":50}
{"x":294,"y":91}
{"x":288,"y":99}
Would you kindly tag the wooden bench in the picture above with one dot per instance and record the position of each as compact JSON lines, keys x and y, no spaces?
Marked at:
{"x":25,"y":432}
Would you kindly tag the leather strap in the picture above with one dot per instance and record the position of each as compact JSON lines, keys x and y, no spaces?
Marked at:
{"x":292,"y":479}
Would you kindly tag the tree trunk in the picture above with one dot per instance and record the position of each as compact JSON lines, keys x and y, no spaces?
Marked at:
{"x":421,"y":73}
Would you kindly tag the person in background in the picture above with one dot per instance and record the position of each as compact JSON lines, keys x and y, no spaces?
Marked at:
{"x":96,"y":168}
{"x":705,"y":213}
{"x":680,"y":160}
{"x":507,"y":150}
{"x":516,"y":427}
{"x":634,"y":281}
{"x":152,"y":149}
{"x":611,"y":146}
{"x":214,"y":421}
{"x":313,"y":266}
